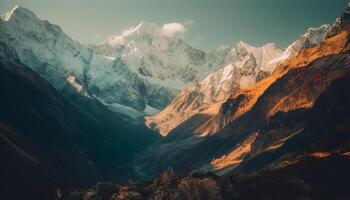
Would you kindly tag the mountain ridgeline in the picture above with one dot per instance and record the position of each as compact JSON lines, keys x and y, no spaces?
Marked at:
{"x":253,"y":120}
{"x":238,"y":122}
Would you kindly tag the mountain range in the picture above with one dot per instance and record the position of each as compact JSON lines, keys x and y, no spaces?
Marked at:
{"x":239,"y":122}
{"x":143,"y":72}
{"x":223,"y":135}
{"x":246,"y":65}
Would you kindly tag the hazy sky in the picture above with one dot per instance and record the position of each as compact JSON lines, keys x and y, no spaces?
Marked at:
{"x":209,"y":23}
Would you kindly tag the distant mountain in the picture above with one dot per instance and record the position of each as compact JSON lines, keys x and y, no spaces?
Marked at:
{"x":49,"y":141}
{"x":148,"y":51}
{"x":246,"y":65}
{"x":143,"y":69}
{"x":263,"y":117}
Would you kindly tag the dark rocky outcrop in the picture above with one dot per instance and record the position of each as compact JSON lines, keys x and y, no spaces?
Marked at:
{"x":308,"y":178}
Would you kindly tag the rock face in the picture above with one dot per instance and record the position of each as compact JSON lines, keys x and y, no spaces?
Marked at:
{"x":145,"y":70}
{"x":246,"y":66}
{"x":158,"y":57}
{"x":281,"y":131}
{"x":48,"y":140}
{"x":296,"y":180}
{"x":311,"y":164}
{"x":255,"y":119}
{"x":167,"y":186}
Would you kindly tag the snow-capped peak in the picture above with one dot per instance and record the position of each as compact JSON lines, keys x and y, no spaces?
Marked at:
{"x":149,"y":68}
{"x":7,"y":16}
{"x":146,"y":27}
{"x":242,"y":44}
{"x":132,"y":30}
{"x":270,"y":45}
{"x":20,"y":13}
{"x":311,"y":38}
{"x":141,"y":29}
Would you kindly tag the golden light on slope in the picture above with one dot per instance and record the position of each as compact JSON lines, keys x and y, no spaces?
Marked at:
{"x":236,"y":156}
{"x":330,"y":46}
{"x":321,"y":154}
{"x":280,"y":143}
{"x":346,"y":154}
{"x":174,"y":114}
{"x":178,"y":111}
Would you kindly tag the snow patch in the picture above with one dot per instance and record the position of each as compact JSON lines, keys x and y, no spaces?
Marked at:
{"x":71,"y":79}
{"x":227,"y":73}
{"x":131,"y":30}
{"x":7,"y":16}
{"x":115,"y":40}
{"x":110,"y":58}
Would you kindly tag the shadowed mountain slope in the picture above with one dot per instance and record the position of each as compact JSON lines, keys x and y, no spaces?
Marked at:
{"x":56,"y":141}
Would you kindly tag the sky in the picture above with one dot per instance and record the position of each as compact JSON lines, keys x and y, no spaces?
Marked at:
{"x":207,"y":23}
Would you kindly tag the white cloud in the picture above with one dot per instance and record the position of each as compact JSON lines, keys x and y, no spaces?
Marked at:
{"x":173,"y":28}
{"x":169,"y":29}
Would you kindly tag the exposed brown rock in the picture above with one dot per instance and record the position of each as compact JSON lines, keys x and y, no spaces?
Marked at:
{"x":307,"y":178}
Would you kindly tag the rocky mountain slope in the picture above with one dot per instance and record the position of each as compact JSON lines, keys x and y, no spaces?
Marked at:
{"x":266,"y":124}
{"x":295,"y":181}
{"x":256,"y":119}
{"x":49,"y":141}
{"x":246,"y":66}
{"x":161,"y":58}
{"x":143,"y":71}
{"x":312,"y":164}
